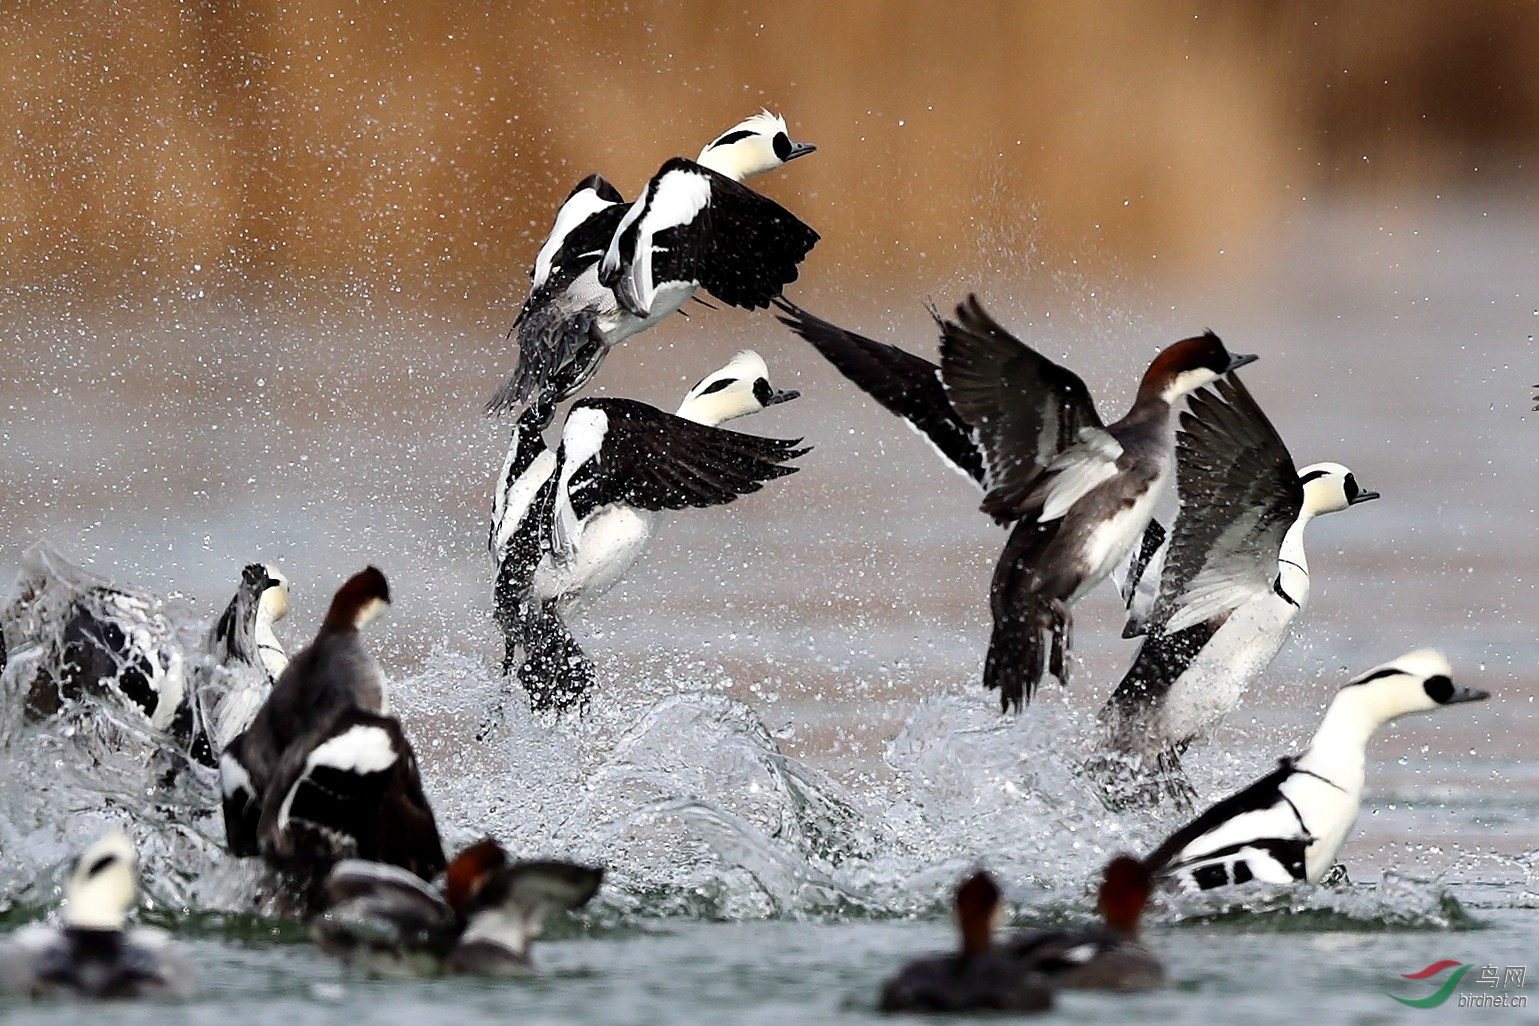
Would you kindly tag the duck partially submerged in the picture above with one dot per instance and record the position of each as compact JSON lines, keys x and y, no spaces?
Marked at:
{"x":1288,"y":826}
{"x":1107,"y":956}
{"x":980,"y":977}
{"x":388,"y":922}
{"x":94,"y":954}
{"x":323,"y":774}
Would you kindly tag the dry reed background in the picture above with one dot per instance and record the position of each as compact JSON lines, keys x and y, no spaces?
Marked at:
{"x":420,"y":148}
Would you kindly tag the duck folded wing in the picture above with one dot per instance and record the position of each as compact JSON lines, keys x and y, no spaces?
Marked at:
{"x":1240,"y":493}
{"x":905,"y":385}
{"x":354,"y":792}
{"x":657,"y":461}
{"x":1254,"y":834}
{"x":1044,"y":444}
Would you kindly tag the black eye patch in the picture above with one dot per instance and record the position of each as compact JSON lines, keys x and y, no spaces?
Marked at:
{"x":782,"y":146}
{"x":1351,"y":487}
{"x":1440,"y":689}
{"x":762,"y":391}
{"x":731,"y":137}
{"x":100,"y":864}
{"x":717,"y":386}
{"x":1388,"y":671}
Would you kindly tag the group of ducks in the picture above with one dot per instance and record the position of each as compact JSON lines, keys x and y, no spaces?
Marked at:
{"x":315,"y":777}
{"x":318,"y":779}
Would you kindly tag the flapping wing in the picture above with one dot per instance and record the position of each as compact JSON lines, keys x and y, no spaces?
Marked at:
{"x":695,"y":226}
{"x":1138,"y":578}
{"x":354,"y":791}
{"x":1240,"y":493}
{"x":1033,"y":419}
{"x":578,"y":238}
{"x":906,"y":385}
{"x":653,"y":460}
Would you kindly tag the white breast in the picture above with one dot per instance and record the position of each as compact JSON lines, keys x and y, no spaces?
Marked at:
{"x":1328,"y":813}
{"x":1209,"y":690}
{"x":606,"y":545}
{"x":1109,"y":543}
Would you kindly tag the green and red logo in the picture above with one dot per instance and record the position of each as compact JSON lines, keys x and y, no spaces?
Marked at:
{"x":1440,"y":995}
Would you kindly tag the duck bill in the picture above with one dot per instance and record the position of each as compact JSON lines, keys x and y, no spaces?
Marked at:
{"x":1464,"y":694}
{"x":1236,"y":362}
{"x":1362,"y":497}
{"x":800,"y":150}
{"x":778,"y":396}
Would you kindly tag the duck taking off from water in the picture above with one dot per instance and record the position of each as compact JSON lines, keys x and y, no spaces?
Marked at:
{"x":568,"y":525}
{"x":610,"y":270}
{"x":1231,"y":580}
{"x":1079,"y":493}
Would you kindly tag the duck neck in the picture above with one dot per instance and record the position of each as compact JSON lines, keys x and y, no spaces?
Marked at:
{"x":269,"y":649}
{"x":1339,"y":750}
{"x":1292,"y":565}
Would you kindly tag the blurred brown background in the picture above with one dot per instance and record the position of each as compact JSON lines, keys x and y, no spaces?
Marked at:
{"x":422,"y":147}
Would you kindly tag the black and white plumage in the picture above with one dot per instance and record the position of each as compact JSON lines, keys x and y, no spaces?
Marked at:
{"x":568,"y":525}
{"x":335,"y":672}
{"x":242,"y":658}
{"x":1231,"y":579}
{"x":608,"y":271}
{"x":352,"y":789}
{"x":119,"y":644}
{"x":906,"y":385}
{"x":1079,"y":493}
{"x":567,"y":309}
{"x":95,"y":954}
{"x":695,"y":227}
{"x":388,"y":922}
{"x":1289,"y":825}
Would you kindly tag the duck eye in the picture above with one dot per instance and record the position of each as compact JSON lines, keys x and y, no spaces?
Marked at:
{"x":1440,"y":689}
{"x":762,"y":391}
{"x":782,"y":146}
{"x":1351,"y":487}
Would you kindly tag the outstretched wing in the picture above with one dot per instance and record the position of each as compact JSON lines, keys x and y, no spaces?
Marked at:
{"x":1044,"y":444}
{"x":632,"y":453}
{"x":696,"y":227}
{"x":906,"y":385}
{"x":1240,"y":492}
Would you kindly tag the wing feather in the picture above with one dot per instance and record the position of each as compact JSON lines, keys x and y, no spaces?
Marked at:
{"x":1033,"y":418}
{"x":1240,"y":493}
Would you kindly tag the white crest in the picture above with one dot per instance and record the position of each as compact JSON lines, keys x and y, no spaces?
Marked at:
{"x":736,"y":390}
{"x":756,"y":144}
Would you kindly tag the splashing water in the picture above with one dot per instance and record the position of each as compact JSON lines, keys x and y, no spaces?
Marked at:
{"x":681,"y":792}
